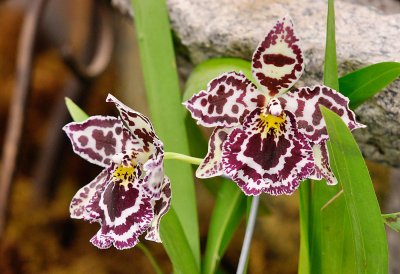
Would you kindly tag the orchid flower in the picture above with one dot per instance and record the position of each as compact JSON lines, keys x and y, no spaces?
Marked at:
{"x":268,"y":139}
{"x":131,"y":194}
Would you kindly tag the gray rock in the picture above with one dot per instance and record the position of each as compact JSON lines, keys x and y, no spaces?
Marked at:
{"x":364,"y":36}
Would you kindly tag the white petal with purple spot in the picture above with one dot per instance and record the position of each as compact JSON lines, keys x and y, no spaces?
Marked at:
{"x":227,"y":100}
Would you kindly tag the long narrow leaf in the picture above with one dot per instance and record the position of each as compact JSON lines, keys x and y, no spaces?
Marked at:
{"x":305,"y":222}
{"x":326,"y":253}
{"x":392,"y":220}
{"x":365,"y":216}
{"x":362,"y":84}
{"x":162,"y":86}
{"x":176,"y":244}
{"x":330,"y":68}
{"x":77,"y":114}
{"x":229,"y":209}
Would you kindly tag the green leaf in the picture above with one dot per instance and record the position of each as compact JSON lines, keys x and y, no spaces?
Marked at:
{"x":77,"y":114}
{"x":365,"y":216}
{"x":330,"y":68}
{"x":176,"y":244}
{"x":392,"y":220}
{"x":326,"y":225}
{"x":305,"y":223}
{"x":364,"y":83}
{"x":229,"y":209}
{"x":208,"y":70}
{"x":164,"y":98}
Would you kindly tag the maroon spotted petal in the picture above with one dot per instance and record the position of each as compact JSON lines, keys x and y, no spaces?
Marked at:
{"x":138,"y":124}
{"x":304,"y":103}
{"x":161,"y":207}
{"x":212,"y":164}
{"x":154,"y":169}
{"x":227,"y":100}
{"x":272,"y":162}
{"x":124,"y":212}
{"x":278,"y":61}
{"x":322,"y":167}
{"x":99,"y":138}
{"x":82,"y":198}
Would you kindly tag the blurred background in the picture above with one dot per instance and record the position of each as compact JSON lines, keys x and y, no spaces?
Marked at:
{"x":84,"y":50}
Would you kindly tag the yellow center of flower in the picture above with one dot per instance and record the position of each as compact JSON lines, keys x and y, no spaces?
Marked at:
{"x":271,"y":123}
{"x":124,"y":175}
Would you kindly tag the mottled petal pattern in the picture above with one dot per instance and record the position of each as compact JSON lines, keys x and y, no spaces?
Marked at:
{"x":212,"y":164}
{"x":267,"y":158}
{"x":304,"y":103}
{"x":226,"y":101}
{"x":86,"y":193}
{"x":278,"y":61}
{"x":154,"y":169}
{"x":138,"y":124}
{"x":124,"y":212}
{"x":322,"y":167}
{"x":161,"y":207}
{"x":99,"y":138}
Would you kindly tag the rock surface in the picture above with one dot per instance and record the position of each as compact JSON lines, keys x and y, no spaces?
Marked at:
{"x":364,"y":36}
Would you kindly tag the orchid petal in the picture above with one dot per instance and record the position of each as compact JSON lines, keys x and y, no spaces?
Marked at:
{"x":138,"y":124}
{"x":161,"y":207}
{"x":86,"y":193}
{"x":261,"y":159}
{"x":154,"y":169}
{"x":278,"y":61}
{"x":212,"y":164}
{"x":124,"y":212}
{"x":227,"y":100}
{"x":304,"y":103}
{"x":322,"y":168}
{"x":99,"y":138}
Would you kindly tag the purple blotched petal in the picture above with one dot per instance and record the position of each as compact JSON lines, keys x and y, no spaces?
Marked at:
{"x":99,"y":138}
{"x":138,"y":124}
{"x":278,"y":61}
{"x":322,"y":168}
{"x":227,"y":100}
{"x":86,"y":193}
{"x":265,"y":157}
{"x":154,"y":169}
{"x":212,"y":163}
{"x":161,"y":207}
{"x":304,"y":104}
{"x":126,"y":212}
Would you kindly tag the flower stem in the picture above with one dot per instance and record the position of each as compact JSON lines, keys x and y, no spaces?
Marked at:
{"x":182,"y":157}
{"x":248,"y":235}
{"x":153,"y":261}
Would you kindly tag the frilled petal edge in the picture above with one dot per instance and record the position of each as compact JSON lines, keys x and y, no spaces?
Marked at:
{"x":269,"y":157}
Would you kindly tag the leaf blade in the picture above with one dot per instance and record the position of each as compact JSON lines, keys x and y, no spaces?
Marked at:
{"x":164,"y":99}
{"x":178,"y":249}
{"x":365,"y":216}
{"x":228,"y":211}
{"x":362,"y":84}
{"x":77,"y":114}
